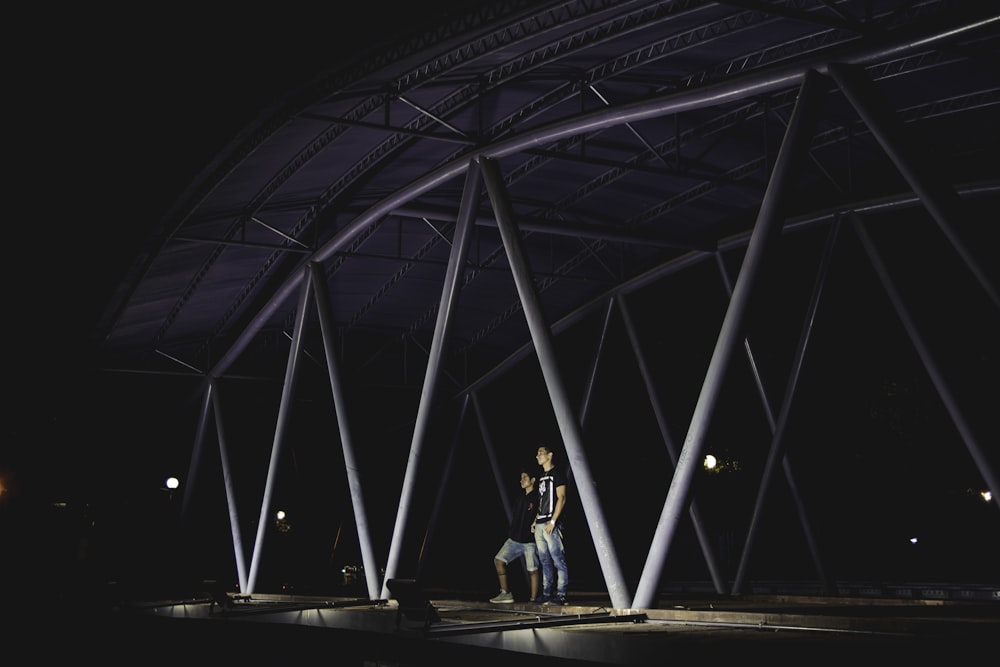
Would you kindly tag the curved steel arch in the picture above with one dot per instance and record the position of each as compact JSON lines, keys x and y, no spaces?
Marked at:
{"x":757,"y":83}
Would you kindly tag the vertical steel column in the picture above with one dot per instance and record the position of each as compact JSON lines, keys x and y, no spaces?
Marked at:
{"x":654,"y":399}
{"x":442,"y":330}
{"x":777,"y":451}
{"x":227,"y":480}
{"x":768,"y":226}
{"x":940,"y":199}
{"x":368,"y":561}
{"x":287,"y":390}
{"x":933,"y":370}
{"x":569,"y":426}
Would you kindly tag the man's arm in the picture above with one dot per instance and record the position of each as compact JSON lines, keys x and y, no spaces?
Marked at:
{"x":560,"y":502}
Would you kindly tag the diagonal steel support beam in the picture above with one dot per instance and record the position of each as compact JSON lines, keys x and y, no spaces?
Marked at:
{"x":940,"y":199}
{"x":776,"y":454}
{"x":287,"y":392}
{"x":793,"y":150}
{"x":704,"y":539}
{"x":321,"y":292}
{"x":491,"y":454}
{"x":948,"y":398}
{"x":569,"y":425}
{"x":197,"y":452}
{"x":212,"y":392}
{"x":443,"y":487}
{"x":442,"y":330}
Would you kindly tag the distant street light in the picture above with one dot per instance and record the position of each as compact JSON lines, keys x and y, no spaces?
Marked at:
{"x":281,"y":521}
{"x":170,"y":485}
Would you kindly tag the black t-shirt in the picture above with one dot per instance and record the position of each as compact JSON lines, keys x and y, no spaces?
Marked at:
{"x":546,"y":486}
{"x":525,"y":508}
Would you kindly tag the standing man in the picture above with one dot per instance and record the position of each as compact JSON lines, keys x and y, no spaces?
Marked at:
{"x":520,"y":541}
{"x":548,"y":528}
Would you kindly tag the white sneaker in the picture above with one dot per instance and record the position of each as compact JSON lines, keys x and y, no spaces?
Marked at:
{"x":503,"y":597}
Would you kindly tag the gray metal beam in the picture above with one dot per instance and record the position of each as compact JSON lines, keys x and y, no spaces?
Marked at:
{"x":704,"y":540}
{"x":940,"y":198}
{"x":239,"y":552}
{"x":197,"y":451}
{"x":793,"y":150}
{"x":569,"y":425}
{"x":491,"y":454}
{"x":287,"y":393}
{"x":442,"y":329}
{"x":609,"y":233}
{"x":755,"y":83}
{"x":442,"y":488}
{"x":326,"y":325}
{"x":948,"y":398}
{"x":687,"y":260}
{"x":776,"y":453}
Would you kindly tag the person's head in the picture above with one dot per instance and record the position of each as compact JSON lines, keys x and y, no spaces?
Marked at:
{"x":544,"y":456}
{"x":529,"y":475}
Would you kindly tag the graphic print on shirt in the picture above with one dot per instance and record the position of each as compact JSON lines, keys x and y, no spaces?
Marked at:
{"x":545,"y":497}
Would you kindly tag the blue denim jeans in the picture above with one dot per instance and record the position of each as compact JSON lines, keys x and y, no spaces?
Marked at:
{"x":553,"y":558}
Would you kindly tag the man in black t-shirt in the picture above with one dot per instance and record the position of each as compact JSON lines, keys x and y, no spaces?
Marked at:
{"x":548,"y":528}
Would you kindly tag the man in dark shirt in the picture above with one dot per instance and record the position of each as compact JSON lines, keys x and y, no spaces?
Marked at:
{"x":548,"y":528}
{"x":520,"y":541}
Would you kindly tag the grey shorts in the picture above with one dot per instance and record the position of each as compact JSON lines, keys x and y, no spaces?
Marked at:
{"x":512,"y":550}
